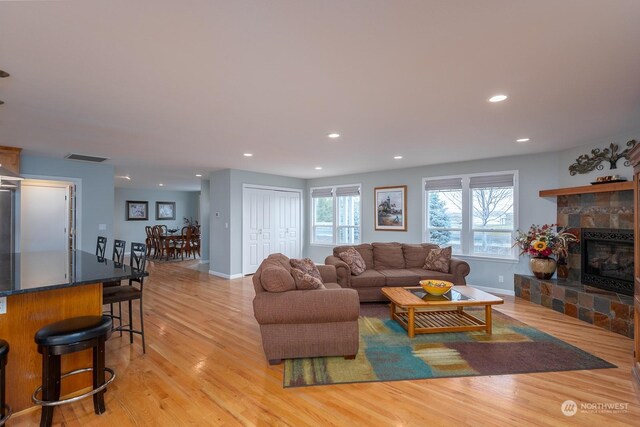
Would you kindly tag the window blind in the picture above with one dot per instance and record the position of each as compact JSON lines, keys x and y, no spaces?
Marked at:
{"x":317,"y":193}
{"x":352,"y":190}
{"x":443,"y":184}
{"x":491,"y":181}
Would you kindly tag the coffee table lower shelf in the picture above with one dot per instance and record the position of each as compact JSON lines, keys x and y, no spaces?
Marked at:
{"x":430,"y":322}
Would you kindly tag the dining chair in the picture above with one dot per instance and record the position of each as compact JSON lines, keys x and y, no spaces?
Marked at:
{"x":185,"y":241}
{"x":166,"y":243}
{"x":130,"y":293}
{"x":156,"y":241}
{"x":149,"y":240}
{"x":195,"y":241}
{"x":160,"y":241}
{"x":101,"y":246}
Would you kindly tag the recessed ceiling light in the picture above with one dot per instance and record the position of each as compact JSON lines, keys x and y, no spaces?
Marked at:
{"x":397,"y":157}
{"x":334,"y":135}
{"x":318,"y":168}
{"x":127,"y":177}
{"x":497,"y":98}
{"x":247,"y":154}
{"x":198,"y":175}
{"x":161,"y":185}
{"x":523,"y":140}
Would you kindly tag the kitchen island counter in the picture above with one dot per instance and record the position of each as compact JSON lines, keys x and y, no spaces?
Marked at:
{"x":42,"y":288}
{"x":41,"y":271}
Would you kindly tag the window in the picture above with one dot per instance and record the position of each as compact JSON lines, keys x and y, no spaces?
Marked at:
{"x":474,"y":214}
{"x":335,"y":215}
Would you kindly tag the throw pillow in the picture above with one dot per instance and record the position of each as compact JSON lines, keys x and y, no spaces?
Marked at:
{"x":354,"y":260}
{"x":438,"y":260}
{"x":276,"y":279}
{"x":305,"y":281}
{"x":307,"y":266}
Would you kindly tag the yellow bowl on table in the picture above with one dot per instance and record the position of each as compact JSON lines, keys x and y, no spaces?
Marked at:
{"x":436,"y":287}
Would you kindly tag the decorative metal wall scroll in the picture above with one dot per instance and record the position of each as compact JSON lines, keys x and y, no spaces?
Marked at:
{"x":586,"y":163}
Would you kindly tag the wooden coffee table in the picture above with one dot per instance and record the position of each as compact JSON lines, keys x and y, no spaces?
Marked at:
{"x":409,"y":308}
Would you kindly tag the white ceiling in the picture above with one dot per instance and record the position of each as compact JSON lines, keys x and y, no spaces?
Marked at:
{"x":166,"y":89}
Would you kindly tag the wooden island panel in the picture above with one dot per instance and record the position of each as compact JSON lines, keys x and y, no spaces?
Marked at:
{"x":28,"y":312}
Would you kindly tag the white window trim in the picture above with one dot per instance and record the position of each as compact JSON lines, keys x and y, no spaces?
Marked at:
{"x":466,"y":235}
{"x":335,"y":215}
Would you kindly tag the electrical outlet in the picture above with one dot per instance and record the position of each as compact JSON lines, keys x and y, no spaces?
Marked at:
{"x":500,"y":279}
{"x":3,"y":305}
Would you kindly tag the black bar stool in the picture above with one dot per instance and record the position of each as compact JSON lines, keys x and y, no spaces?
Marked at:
{"x":65,"y":337}
{"x":118,"y":294}
{"x":5,"y":410}
{"x":101,"y":246}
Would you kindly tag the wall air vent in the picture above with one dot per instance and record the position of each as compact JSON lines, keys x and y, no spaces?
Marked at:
{"x":85,"y":158}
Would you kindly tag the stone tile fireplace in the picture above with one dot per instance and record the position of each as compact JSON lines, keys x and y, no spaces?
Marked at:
{"x":612,"y":210}
{"x":597,"y":290}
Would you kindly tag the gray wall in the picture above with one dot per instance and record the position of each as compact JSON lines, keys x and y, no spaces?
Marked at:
{"x":226,"y":198}
{"x":536,"y":172}
{"x":187,"y":205}
{"x":96,"y":192}
{"x":219,"y":218}
{"x":205,"y":219}
{"x":568,"y":157}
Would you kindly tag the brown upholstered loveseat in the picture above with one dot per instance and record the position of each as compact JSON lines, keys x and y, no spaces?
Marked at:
{"x":392,"y":264}
{"x":305,"y":323}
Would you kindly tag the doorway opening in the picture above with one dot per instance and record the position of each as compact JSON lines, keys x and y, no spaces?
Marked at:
{"x":47,"y":215}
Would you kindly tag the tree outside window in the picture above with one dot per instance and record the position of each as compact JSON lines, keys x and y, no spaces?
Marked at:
{"x":486,"y":201}
{"x":336,"y":215}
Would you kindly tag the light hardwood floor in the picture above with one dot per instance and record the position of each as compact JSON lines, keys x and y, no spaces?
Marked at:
{"x":205,"y":366}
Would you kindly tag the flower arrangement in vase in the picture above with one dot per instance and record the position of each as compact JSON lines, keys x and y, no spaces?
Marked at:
{"x":541,"y":243}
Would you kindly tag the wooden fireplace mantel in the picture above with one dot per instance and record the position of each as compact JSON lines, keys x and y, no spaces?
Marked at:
{"x":597,"y":188}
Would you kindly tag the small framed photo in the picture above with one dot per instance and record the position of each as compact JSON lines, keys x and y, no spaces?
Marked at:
{"x":391,"y":208}
{"x":137,"y":211}
{"x":165,"y":210}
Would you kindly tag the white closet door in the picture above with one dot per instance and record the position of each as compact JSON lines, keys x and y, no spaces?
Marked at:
{"x":257,"y":228}
{"x":288,"y":223}
{"x":271,"y":224}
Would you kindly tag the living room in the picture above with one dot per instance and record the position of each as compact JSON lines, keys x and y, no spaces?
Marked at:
{"x":347,"y":105}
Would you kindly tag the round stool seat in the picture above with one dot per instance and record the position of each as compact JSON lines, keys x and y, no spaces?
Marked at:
{"x":73,"y":330}
{"x":4,"y":349}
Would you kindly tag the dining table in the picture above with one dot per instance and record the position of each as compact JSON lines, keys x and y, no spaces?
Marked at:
{"x":39,"y":288}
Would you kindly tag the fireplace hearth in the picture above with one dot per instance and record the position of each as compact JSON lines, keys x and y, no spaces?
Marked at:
{"x":607,"y":259}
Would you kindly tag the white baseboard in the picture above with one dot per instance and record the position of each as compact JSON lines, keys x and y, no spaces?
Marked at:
{"x":225,"y":276}
{"x":495,"y":290}
{"x":204,"y":261}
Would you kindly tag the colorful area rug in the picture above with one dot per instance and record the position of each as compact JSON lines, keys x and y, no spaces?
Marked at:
{"x":388,"y":354}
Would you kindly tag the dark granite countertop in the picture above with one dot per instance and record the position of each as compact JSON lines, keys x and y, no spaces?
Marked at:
{"x":41,"y":271}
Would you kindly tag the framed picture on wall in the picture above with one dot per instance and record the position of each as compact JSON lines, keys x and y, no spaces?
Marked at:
{"x":137,"y":210}
{"x":391,"y":208}
{"x":165,"y":210}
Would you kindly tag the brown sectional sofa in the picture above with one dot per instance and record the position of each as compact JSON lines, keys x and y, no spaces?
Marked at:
{"x":306,"y":323}
{"x":392,"y":264}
